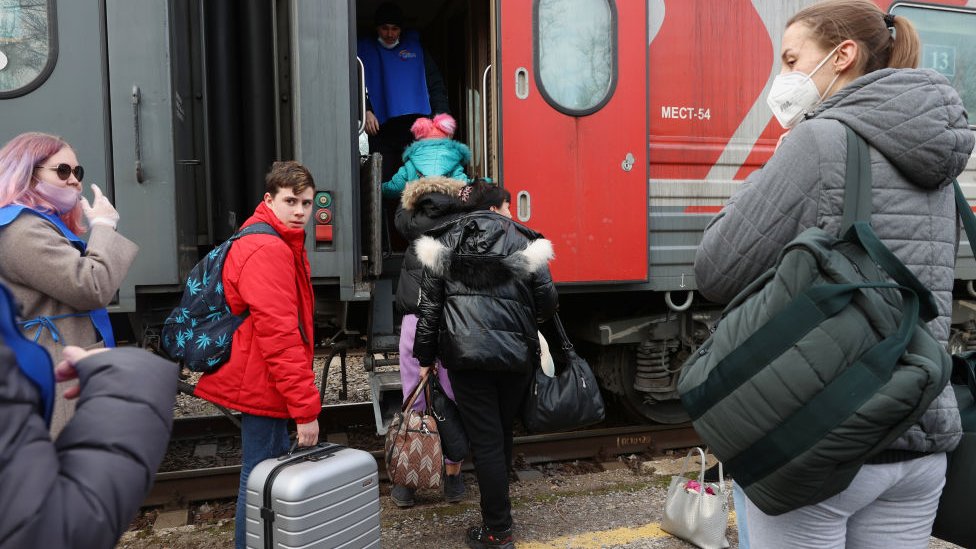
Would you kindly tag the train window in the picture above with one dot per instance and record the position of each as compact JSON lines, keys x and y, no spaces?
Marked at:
{"x":575,"y":53}
{"x":27,"y":45}
{"x":948,"y":44}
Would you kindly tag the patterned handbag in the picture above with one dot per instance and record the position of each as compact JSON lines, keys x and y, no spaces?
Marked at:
{"x":413,"y":445}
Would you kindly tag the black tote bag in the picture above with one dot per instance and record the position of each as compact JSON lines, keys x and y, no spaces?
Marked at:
{"x":569,"y":400}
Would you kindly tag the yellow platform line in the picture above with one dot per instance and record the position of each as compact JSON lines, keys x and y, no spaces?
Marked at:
{"x":604,"y":538}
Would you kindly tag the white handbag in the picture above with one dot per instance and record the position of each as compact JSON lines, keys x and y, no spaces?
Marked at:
{"x":692,"y":513}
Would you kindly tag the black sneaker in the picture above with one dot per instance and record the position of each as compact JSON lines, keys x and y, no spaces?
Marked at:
{"x":402,"y":496}
{"x":480,"y":537}
{"x":453,"y":488}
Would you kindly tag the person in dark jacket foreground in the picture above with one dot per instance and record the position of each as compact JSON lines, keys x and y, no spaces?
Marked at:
{"x":847,"y":61}
{"x":83,"y":489}
{"x":484,"y":289}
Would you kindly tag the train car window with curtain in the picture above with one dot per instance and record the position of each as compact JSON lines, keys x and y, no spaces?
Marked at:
{"x":575,"y":53}
{"x":27,"y":45}
{"x":948,"y":45}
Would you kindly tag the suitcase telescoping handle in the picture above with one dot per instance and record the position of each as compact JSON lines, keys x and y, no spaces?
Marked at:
{"x":321,"y":450}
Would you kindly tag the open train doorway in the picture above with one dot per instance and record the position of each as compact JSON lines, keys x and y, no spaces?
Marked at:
{"x":455,"y":36}
{"x":451,"y":37}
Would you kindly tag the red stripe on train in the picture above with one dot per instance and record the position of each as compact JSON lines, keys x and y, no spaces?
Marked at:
{"x":702,"y":209}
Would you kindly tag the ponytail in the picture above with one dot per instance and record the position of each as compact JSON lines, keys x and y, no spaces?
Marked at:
{"x":906,"y":46}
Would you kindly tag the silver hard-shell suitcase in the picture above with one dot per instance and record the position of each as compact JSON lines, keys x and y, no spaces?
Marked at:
{"x":323,"y":496}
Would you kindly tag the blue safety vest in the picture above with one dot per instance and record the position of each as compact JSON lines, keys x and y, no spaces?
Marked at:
{"x":32,"y":359}
{"x":396,"y":79}
{"x":99,"y":317}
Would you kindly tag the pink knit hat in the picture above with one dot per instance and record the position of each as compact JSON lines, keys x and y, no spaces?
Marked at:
{"x":441,"y":127}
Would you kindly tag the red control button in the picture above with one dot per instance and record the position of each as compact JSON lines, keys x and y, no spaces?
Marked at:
{"x":323,"y":233}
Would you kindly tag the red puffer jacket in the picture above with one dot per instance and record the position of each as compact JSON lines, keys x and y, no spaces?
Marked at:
{"x":270,"y":368}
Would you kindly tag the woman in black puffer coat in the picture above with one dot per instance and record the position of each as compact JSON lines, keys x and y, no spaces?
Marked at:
{"x":484,"y":290}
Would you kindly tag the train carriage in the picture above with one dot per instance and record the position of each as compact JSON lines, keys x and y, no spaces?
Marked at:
{"x":620,"y":127}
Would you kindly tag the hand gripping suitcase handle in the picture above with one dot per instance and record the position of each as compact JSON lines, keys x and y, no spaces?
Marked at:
{"x":318,"y":451}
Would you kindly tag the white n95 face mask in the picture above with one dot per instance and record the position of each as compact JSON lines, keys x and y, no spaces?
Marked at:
{"x":794,"y":94}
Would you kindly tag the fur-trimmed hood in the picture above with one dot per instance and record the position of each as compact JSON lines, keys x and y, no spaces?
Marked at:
{"x":483,"y":250}
{"x":485,"y":289}
{"x":416,"y":189}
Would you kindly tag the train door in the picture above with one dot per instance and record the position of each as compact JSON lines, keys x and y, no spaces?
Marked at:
{"x":572,"y":86}
{"x":325,"y":128}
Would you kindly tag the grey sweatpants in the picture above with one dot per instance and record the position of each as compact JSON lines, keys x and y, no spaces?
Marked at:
{"x":887,"y":506}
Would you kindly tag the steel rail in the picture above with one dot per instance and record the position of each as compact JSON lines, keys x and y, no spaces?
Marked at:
{"x":181,"y":487}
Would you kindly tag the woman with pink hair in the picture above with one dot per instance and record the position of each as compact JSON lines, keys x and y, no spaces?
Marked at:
{"x":61,"y":282}
{"x":434,"y":153}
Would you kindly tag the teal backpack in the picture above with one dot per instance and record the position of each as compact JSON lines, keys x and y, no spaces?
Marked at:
{"x":820,"y":363}
{"x":198,"y":332}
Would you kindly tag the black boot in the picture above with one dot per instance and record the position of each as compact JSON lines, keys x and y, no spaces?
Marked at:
{"x":480,"y":537}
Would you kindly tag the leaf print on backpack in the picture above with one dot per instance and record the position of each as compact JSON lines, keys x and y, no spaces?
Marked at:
{"x":199,"y":332}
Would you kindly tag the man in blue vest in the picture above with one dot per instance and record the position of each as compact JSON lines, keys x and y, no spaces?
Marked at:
{"x":403,"y":83}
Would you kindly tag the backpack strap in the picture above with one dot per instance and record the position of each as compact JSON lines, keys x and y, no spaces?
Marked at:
{"x":264,"y":228}
{"x":255,"y":228}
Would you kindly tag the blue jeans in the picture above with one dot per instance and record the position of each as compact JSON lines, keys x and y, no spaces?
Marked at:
{"x":261,"y":438}
{"x":741,"y":511}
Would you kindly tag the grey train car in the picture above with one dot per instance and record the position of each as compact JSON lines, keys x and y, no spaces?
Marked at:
{"x":619,"y":127}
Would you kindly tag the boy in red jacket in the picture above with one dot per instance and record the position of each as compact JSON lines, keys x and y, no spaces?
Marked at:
{"x":269,"y":375}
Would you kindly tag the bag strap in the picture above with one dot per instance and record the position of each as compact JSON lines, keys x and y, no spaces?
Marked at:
{"x":862,"y":234}
{"x":965,"y":213}
{"x":422,"y":383}
{"x":566,"y":344}
{"x":856,"y":222}
{"x":858,"y":182}
{"x":701,"y":473}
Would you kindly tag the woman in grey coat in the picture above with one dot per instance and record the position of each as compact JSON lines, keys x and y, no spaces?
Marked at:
{"x":62,"y":282}
{"x":846,"y":61}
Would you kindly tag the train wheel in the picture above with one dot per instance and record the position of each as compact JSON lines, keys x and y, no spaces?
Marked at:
{"x":616,"y":366}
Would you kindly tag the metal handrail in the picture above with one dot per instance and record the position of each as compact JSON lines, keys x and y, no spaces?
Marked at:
{"x":484,"y":121}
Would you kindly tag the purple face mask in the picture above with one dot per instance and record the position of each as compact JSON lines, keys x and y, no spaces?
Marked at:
{"x":62,"y":198}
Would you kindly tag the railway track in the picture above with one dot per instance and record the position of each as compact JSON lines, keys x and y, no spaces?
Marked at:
{"x":179,"y":488}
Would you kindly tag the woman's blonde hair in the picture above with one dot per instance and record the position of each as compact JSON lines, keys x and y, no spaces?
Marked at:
{"x":833,"y":21}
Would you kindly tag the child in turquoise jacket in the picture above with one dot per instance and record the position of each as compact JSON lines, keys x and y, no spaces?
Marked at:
{"x":433,"y":153}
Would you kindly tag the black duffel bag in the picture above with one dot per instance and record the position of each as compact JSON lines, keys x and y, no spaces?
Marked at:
{"x":568,"y":400}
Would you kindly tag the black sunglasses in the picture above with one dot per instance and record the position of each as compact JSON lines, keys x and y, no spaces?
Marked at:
{"x":64,"y":171}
